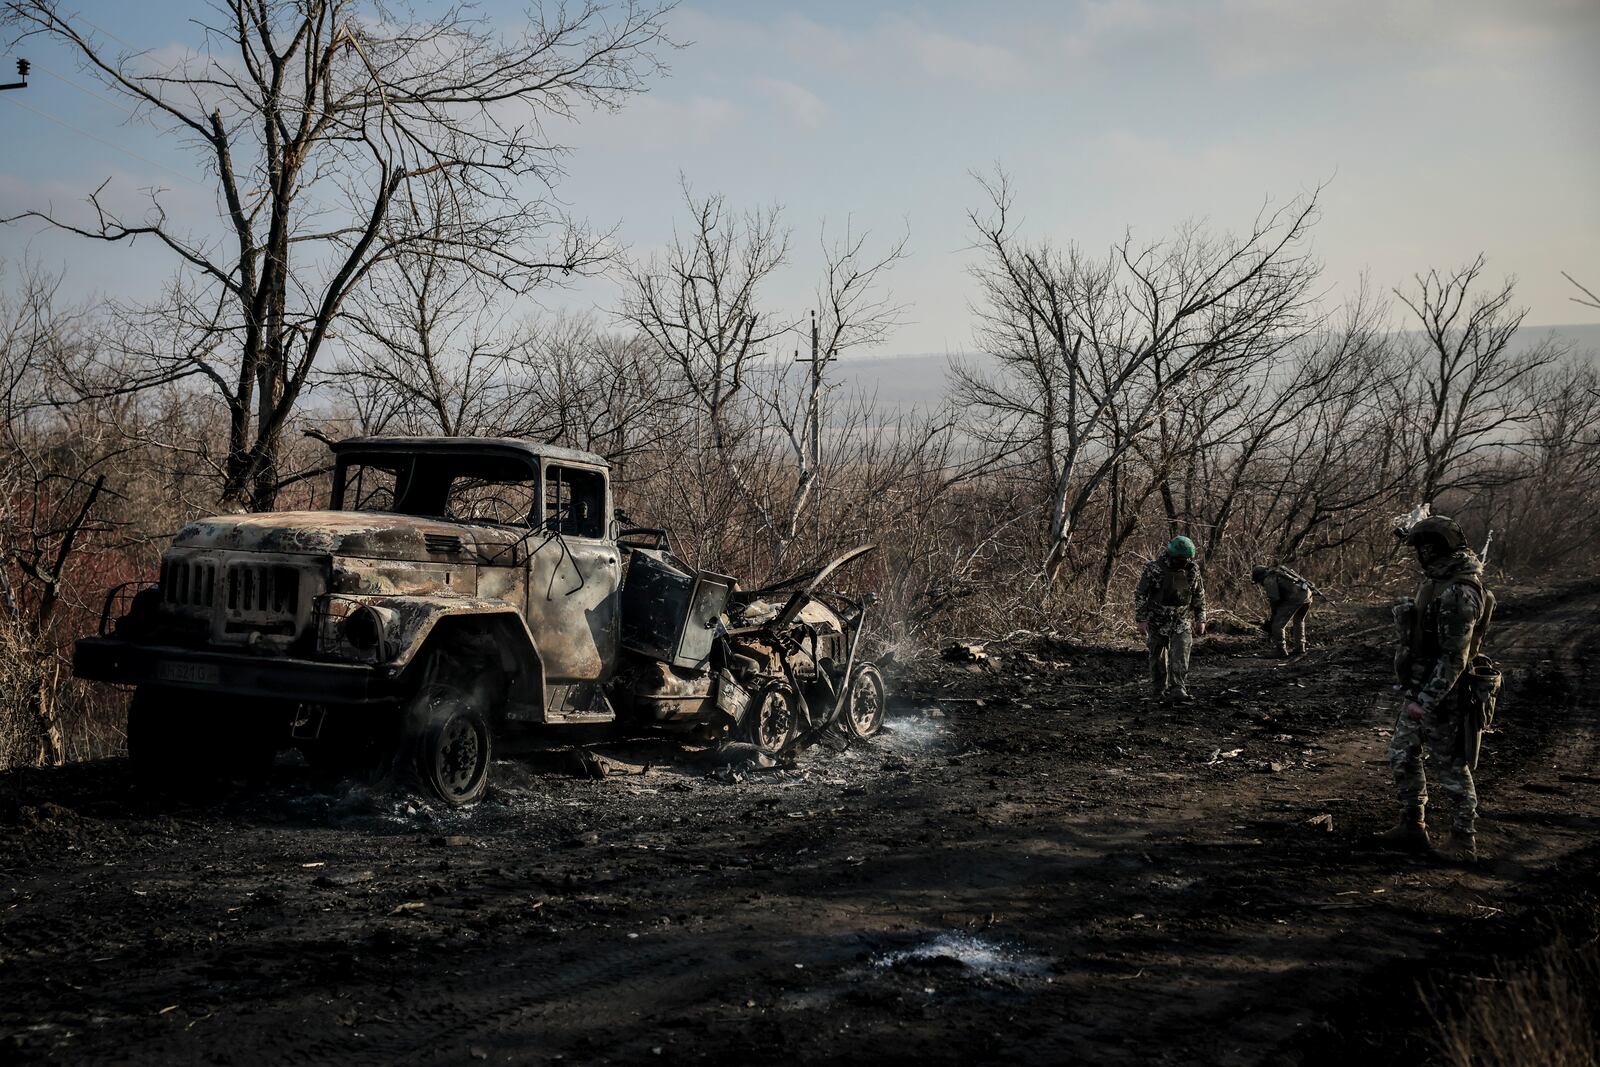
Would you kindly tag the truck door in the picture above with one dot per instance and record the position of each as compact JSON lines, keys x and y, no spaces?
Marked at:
{"x":573,"y":577}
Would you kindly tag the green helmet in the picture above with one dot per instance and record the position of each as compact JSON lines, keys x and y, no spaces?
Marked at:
{"x":1443,"y":527}
{"x":1181,"y":547}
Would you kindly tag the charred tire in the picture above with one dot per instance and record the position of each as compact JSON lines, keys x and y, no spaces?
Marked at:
{"x":773,"y":719}
{"x":163,"y":742}
{"x":867,"y":702}
{"x":452,"y":746}
{"x":246,"y":737}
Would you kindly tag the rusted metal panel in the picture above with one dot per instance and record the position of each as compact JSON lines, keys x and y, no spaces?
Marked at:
{"x":363,"y":534}
{"x":670,"y":612}
{"x":415,"y":618}
{"x":572,"y":587}
{"x":467,"y":446}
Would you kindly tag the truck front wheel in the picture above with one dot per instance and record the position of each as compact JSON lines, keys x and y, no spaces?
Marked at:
{"x":452,"y":744}
{"x":163,"y":745}
{"x":179,"y":739}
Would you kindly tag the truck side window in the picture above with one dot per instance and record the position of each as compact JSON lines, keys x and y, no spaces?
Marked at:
{"x":505,"y":503}
{"x":575,"y":501}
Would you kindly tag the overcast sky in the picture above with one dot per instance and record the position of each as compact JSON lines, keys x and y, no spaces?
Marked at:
{"x":1441,"y":129}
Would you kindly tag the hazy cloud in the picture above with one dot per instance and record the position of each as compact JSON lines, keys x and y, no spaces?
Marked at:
{"x":895,"y":47}
{"x":960,"y":59}
{"x":656,"y":123}
{"x":1251,"y":38}
{"x":800,"y":104}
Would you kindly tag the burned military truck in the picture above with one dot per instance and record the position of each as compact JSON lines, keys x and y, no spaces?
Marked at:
{"x":458,"y":589}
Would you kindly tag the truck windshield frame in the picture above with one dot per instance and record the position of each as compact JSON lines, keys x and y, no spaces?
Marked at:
{"x":499,"y":490}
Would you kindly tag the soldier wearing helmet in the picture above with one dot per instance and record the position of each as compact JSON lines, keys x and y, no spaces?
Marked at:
{"x":1440,"y":632}
{"x":1289,"y":597}
{"x":1169,"y":605}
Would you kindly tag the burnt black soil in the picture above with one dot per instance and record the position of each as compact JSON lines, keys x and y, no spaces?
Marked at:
{"x":1033,"y":865}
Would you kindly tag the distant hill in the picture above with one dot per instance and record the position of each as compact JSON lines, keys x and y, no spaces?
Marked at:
{"x":920,"y":380}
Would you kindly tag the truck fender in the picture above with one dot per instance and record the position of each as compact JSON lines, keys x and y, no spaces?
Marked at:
{"x":418,"y":624}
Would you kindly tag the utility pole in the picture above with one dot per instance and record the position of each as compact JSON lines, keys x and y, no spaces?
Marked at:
{"x":22,"y":72}
{"x":818,"y":362}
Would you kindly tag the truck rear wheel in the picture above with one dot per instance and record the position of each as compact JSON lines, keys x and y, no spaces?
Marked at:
{"x":867,"y":701}
{"x":772,"y":720}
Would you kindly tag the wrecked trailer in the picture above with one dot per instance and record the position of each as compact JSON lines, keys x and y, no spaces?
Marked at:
{"x":457,"y":590}
{"x":777,"y":669}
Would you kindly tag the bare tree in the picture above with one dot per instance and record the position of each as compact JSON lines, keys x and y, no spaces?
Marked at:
{"x":1079,"y":340}
{"x":1465,"y":397}
{"x":576,"y":384}
{"x":699,"y":303}
{"x":425,"y":339}
{"x":328,"y":126}
{"x":1588,"y":299}
{"x":56,"y":454}
{"x":856,"y":313}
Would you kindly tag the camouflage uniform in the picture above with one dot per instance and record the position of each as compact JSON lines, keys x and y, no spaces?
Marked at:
{"x":1440,"y":631}
{"x":1169,"y":601}
{"x":1290,"y":597}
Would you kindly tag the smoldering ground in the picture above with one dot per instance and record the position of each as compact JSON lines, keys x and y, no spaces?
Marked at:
{"x":1032,"y":864}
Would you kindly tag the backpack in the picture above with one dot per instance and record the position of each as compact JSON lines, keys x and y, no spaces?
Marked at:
{"x":1305,"y":586}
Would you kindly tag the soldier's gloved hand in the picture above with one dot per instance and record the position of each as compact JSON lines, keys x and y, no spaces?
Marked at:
{"x":1201,"y":632}
{"x":1415,"y":711}
{"x":1144,"y":629}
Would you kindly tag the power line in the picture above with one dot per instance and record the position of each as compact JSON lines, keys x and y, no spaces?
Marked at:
{"x":87,"y":91}
{"x":81,"y":17}
{"x":85,"y":133}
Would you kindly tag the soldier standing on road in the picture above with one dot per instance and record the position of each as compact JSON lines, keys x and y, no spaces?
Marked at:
{"x":1442,"y":717}
{"x":1289,"y":597}
{"x":1170,"y":600}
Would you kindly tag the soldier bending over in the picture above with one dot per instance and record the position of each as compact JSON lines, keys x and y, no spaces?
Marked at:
{"x":1289,"y":597}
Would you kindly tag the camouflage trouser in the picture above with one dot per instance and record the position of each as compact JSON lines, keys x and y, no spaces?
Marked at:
{"x":1437,"y":738}
{"x":1286,"y":630}
{"x":1169,"y":643}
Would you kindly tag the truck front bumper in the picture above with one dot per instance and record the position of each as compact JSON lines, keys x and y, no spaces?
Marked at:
{"x":109,"y":659}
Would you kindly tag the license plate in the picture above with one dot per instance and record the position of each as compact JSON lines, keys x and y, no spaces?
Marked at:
{"x":189,"y":673}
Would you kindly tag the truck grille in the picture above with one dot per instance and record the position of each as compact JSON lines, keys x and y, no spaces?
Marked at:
{"x":189,"y":583}
{"x":235,"y":598}
{"x":263,"y":589}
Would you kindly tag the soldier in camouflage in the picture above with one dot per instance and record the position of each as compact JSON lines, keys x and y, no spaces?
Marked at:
{"x":1440,"y":631}
{"x":1169,"y":605}
{"x":1289,"y":597}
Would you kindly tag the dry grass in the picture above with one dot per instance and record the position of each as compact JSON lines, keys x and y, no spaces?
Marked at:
{"x":46,"y":715}
{"x":1538,"y":1011}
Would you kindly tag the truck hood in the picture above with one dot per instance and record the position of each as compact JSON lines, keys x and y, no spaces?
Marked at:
{"x":371,"y":535}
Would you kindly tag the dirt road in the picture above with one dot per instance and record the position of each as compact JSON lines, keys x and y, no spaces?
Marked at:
{"x":1031,"y":867}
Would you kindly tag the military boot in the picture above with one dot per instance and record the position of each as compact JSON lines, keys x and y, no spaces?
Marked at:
{"x":1460,"y":847}
{"x":1408,"y":835}
{"x":1180,"y":696}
